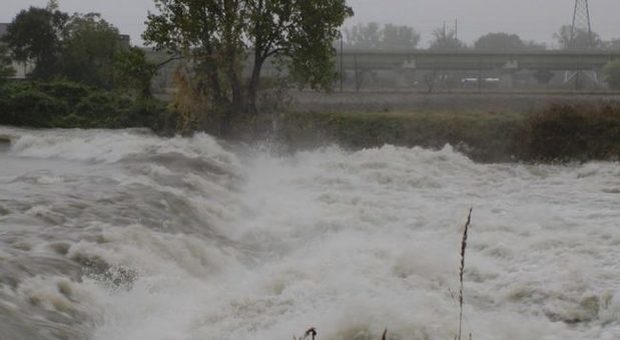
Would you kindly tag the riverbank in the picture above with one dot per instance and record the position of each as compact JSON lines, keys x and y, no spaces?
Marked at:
{"x":485,"y":127}
{"x":579,"y":131}
{"x":482,"y":136}
{"x":407,"y":101}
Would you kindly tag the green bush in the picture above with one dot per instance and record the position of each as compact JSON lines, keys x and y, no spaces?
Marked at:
{"x":67,"y":91}
{"x":571,"y":132}
{"x":67,"y":104}
{"x":149,"y":113}
{"x":32,"y":108}
{"x":102,"y":109}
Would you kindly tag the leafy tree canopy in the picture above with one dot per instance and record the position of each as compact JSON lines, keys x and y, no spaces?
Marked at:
{"x":505,"y":41}
{"x":80,"y":47}
{"x":444,"y":39}
{"x":579,"y":40}
{"x":499,"y":41}
{"x":217,"y":36}
{"x":133,"y":72}
{"x":6,"y":68}
{"x":613,"y":44}
{"x":373,"y":36}
{"x":34,"y":35}
{"x":89,"y":44}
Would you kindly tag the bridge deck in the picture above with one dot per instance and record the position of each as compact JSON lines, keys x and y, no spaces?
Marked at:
{"x":477,"y":59}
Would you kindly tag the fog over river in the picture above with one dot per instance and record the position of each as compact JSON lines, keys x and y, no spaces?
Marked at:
{"x":112,"y":235}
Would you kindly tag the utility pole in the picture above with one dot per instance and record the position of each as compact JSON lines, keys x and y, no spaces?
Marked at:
{"x":456,"y":29}
{"x":341,"y":63}
{"x":444,"y":30}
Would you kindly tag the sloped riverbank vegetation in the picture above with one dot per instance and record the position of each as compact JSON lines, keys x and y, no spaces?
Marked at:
{"x":559,"y":133}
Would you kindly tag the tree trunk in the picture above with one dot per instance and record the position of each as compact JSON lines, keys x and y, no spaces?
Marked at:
{"x":254,"y":84}
{"x":238,"y":99}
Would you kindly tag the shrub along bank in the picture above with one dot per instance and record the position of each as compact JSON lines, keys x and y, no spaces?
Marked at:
{"x":579,"y":132}
{"x":65,"y":104}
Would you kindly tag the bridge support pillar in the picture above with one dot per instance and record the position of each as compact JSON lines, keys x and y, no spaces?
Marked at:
{"x":508,"y":80}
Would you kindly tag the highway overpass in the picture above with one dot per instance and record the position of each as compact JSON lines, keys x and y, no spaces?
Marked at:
{"x":463,"y":60}
{"x":551,"y":60}
{"x":498,"y":63}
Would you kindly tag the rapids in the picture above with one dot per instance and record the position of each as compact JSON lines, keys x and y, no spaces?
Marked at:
{"x":113,"y":235}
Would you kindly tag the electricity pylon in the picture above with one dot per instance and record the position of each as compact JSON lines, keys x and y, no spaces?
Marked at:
{"x":581,"y":21}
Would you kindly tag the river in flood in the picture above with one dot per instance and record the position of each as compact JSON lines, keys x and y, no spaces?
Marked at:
{"x":112,"y":235}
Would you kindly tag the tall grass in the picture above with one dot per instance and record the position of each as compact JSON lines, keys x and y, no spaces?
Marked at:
{"x":462,"y":271}
{"x":309,"y":334}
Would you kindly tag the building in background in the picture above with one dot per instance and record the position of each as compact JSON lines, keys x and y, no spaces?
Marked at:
{"x":3,"y":29}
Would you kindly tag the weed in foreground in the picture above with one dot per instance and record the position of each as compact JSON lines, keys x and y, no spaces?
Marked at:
{"x":311,"y":333}
{"x":461,"y":272}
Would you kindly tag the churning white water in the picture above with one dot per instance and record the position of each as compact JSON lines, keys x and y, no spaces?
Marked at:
{"x":112,"y":235}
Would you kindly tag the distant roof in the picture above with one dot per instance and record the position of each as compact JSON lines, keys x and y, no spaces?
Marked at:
{"x":3,"y":28}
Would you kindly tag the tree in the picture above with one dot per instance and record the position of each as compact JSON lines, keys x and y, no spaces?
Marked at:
{"x":446,"y":40}
{"x":533,"y":45}
{"x":505,"y":41}
{"x":34,"y":36}
{"x":612,"y":74}
{"x":78,"y":47}
{"x":363,"y":36}
{"x":373,"y":36}
{"x":579,"y":40}
{"x":89,"y":45}
{"x":218,"y":36}
{"x":133,"y":72}
{"x":6,"y":68}
{"x":499,"y":41}
{"x":399,"y":37}
{"x":613,"y":45}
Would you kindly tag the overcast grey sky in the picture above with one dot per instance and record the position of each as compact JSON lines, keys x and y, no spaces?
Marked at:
{"x":531,"y":19}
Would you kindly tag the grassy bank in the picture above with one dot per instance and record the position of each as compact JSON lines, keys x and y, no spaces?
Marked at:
{"x":559,"y":133}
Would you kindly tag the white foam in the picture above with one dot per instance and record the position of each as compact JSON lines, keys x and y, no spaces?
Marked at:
{"x":113,"y":146}
{"x":347,"y":242}
{"x":355,"y":242}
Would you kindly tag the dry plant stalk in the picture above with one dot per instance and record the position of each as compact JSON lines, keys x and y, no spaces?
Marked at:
{"x":311,"y":332}
{"x":190,"y":102}
{"x":462,"y":271}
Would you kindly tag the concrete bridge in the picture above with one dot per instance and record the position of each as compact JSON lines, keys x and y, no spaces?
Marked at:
{"x":551,"y":60}
{"x":466,"y":60}
{"x":565,"y":65}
